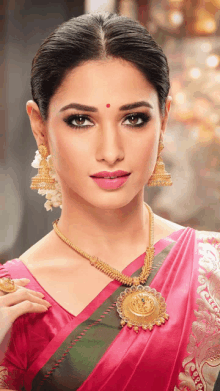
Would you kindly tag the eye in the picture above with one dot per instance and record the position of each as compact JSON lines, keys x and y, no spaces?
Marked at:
{"x":136,"y":117}
{"x":79,"y":121}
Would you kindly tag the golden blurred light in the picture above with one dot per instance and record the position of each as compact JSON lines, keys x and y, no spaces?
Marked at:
{"x":217,"y":131}
{"x":127,"y":8}
{"x":195,"y":73}
{"x":160,"y":17}
{"x":152,"y":27}
{"x":176,"y":1}
{"x":205,"y":132}
{"x":214,"y":117}
{"x":201,"y":108}
{"x":180,"y":98}
{"x":175,"y":85}
{"x":206,"y":47}
{"x":194,"y":132}
{"x":214,"y":161}
{"x":216,"y":3}
{"x":205,"y":23}
{"x":175,"y":18}
{"x":216,"y":95}
{"x":212,"y":61}
{"x":183,"y":114}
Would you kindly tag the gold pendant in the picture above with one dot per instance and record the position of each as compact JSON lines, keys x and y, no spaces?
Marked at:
{"x":141,"y":306}
{"x":7,"y":285}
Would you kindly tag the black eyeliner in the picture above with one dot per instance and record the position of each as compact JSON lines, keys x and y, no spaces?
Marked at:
{"x":145,"y":118}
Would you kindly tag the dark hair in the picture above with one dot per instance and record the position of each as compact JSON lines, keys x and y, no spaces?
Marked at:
{"x":96,"y":36}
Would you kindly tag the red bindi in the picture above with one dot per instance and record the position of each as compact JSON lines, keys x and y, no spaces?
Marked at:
{"x":108,"y":105}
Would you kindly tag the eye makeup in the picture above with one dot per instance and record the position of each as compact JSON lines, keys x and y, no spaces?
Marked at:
{"x":82,"y":117}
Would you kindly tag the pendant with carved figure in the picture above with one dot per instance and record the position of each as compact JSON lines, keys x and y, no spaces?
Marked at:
{"x":7,"y":285}
{"x":141,"y":306}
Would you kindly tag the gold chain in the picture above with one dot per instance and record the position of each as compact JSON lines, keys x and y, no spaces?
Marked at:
{"x":110,"y":271}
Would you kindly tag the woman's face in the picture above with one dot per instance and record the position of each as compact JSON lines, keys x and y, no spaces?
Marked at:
{"x":105,"y":137}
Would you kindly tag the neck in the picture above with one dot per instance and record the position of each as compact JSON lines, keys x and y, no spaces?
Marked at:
{"x":98,"y":230}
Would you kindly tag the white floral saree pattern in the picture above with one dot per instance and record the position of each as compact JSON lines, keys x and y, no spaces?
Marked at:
{"x":202,"y":365}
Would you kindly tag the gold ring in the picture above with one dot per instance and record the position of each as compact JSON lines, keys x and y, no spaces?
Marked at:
{"x":7,"y":285}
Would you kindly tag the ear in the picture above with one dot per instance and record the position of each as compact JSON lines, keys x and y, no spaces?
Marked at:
{"x":166,"y":115}
{"x":38,"y":125}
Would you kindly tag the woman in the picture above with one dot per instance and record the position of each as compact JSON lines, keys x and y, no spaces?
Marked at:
{"x":129,"y":290}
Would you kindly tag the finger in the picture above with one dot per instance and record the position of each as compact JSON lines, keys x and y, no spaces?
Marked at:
{"x":40,"y":294}
{"x":20,"y":284}
{"x":35,"y":293}
{"x":21,"y":295}
{"x":23,"y":308}
{"x":21,"y":281}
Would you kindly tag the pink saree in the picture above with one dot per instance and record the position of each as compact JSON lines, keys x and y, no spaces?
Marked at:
{"x":59,"y":351}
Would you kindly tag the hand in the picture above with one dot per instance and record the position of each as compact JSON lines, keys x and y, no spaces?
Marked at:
{"x":15,"y":304}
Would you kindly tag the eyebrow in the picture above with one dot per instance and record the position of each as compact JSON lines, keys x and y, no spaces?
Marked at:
{"x":129,"y":106}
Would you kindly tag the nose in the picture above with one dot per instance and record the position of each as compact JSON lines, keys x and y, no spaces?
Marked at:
{"x":110,"y":146}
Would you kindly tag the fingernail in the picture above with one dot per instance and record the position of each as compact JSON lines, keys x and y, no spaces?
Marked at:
{"x":40,"y":294}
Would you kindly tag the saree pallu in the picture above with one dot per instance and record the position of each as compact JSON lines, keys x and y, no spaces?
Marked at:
{"x":93,"y":352}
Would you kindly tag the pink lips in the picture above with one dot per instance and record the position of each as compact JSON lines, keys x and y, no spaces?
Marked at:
{"x":105,"y":183}
{"x":103,"y":174}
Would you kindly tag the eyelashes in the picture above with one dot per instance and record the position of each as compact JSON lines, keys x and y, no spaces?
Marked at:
{"x":82,"y":117}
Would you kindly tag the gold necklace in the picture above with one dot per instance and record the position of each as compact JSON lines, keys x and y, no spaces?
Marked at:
{"x":138,"y":306}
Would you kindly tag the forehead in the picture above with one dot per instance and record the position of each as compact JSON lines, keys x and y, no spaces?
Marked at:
{"x":109,"y":80}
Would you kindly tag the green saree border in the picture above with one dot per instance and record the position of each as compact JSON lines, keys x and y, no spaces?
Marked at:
{"x":107,"y":326}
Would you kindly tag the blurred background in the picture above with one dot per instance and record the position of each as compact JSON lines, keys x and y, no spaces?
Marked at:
{"x":189,"y":33}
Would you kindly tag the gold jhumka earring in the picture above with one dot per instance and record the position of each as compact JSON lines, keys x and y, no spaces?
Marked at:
{"x":43,"y":179}
{"x":160,"y":176}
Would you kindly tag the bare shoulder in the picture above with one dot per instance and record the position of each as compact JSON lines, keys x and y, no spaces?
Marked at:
{"x":48,"y":253}
{"x":170,"y":225}
{"x":43,"y":250}
{"x":164,"y":227}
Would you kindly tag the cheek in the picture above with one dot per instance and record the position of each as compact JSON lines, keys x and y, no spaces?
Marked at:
{"x":145,"y":163}
{"x":61,"y":153}
{"x":69,"y":154}
{"x":147,"y":155}
{"x":71,"y":157}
